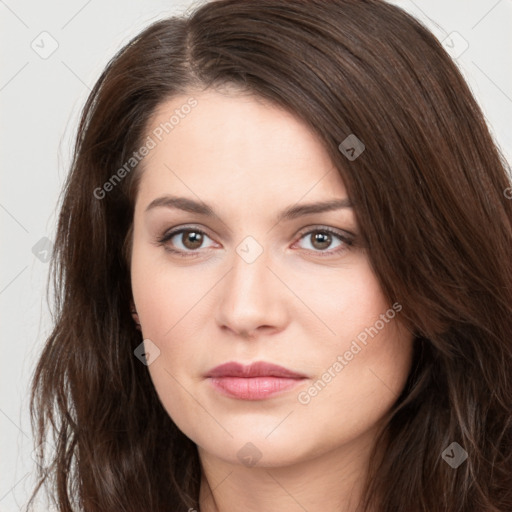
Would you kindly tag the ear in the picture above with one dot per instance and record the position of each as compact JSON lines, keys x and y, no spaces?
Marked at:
{"x":135,"y":316}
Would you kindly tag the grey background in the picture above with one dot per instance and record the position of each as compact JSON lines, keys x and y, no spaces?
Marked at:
{"x":40,"y":99}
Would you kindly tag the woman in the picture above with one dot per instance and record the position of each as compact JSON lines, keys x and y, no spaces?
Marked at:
{"x":283,"y":274}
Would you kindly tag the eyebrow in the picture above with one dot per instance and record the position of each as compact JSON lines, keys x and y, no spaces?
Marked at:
{"x":292,"y":212}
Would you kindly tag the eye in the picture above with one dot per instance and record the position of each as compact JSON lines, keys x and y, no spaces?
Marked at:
{"x":323,"y":238}
{"x":186,"y":240}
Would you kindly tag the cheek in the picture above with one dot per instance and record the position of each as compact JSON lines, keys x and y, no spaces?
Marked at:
{"x":164,"y":293}
{"x":347,"y":303}
{"x":357,"y":384}
{"x":168,"y":302}
{"x":165,"y":300}
{"x":362,"y":367}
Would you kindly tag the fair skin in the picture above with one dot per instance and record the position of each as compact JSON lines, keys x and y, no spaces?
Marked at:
{"x":290,"y":306}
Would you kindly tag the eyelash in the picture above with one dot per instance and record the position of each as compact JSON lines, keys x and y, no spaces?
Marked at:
{"x":346,"y":241}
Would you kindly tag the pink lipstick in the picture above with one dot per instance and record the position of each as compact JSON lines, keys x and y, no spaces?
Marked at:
{"x":256,"y":381}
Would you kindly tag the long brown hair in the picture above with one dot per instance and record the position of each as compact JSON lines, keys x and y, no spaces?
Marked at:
{"x":429,"y":196}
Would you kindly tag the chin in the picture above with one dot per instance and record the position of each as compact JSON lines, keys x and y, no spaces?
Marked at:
{"x":253,"y":450}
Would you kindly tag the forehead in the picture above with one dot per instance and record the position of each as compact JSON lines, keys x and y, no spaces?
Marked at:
{"x":236,"y":148}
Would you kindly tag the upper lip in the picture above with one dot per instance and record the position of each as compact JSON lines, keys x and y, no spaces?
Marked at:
{"x":257,"y":369}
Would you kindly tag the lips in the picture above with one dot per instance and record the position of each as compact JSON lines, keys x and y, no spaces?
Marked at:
{"x":256,"y":381}
{"x":258,"y":369}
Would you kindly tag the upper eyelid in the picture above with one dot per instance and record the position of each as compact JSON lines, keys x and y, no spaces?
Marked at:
{"x":320,"y":227}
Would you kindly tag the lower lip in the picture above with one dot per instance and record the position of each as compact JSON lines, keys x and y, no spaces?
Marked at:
{"x":253,"y":388}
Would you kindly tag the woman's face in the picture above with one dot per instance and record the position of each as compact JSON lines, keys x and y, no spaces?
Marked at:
{"x":246,"y":283}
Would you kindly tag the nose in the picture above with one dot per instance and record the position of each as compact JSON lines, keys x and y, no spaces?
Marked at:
{"x":253,"y":299}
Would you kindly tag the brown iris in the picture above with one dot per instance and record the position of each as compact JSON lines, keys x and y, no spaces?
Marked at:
{"x":192,"y":239}
{"x":322,"y":239}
